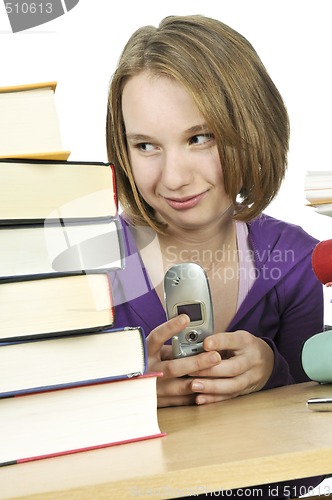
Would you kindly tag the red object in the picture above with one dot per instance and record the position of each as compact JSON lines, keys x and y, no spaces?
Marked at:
{"x":322,"y":262}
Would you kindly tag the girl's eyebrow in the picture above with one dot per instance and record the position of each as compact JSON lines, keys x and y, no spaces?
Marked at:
{"x":195,"y":129}
{"x":139,"y":138}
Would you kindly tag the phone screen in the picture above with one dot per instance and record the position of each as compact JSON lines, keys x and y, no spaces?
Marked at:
{"x":194,"y":311}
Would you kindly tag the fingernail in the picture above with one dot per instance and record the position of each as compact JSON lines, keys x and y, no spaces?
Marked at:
{"x":197,"y":386}
{"x":201,"y":400}
{"x":214,"y":358}
{"x":184,"y":319}
{"x":209,"y":344}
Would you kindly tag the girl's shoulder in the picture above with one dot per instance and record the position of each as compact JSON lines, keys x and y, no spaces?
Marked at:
{"x":266,"y":231}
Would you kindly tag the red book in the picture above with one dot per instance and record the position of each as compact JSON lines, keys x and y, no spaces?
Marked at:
{"x":73,"y":419}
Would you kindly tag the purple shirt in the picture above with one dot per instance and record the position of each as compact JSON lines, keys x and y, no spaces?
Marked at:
{"x":284,"y":305}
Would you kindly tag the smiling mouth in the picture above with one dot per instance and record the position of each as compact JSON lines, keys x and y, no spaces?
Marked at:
{"x":185,"y":203}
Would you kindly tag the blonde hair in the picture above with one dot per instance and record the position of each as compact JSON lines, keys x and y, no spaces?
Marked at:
{"x":233,"y":91}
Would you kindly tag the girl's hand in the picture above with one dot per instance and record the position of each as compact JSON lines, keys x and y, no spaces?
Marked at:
{"x":174,"y":388}
{"x":247,"y":363}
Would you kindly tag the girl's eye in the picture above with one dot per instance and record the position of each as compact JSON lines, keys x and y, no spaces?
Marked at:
{"x":146,"y":147}
{"x":201,"y":139}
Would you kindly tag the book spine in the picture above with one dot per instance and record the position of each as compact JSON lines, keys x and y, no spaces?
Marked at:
{"x":80,"y":450}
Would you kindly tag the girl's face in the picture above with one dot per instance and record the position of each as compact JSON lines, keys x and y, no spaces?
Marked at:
{"x":173,"y":154}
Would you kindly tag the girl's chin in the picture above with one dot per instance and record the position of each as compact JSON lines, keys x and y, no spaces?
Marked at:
{"x":192,"y":219}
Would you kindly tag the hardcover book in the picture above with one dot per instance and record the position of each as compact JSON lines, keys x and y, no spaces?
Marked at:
{"x":76,"y":359}
{"x":34,"y":191}
{"x":318,"y":191}
{"x":29,"y":124}
{"x":55,"y":306}
{"x":74,"y":419}
{"x":63,"y":247}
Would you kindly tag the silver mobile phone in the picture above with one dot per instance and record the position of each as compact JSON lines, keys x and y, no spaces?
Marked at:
{"x":187,"y":291}
{"x":320,"y":404}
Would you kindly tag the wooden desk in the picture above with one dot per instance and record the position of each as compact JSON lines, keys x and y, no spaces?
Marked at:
{"x":260,"y":438}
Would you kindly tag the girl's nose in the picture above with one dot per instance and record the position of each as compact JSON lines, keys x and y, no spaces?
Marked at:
{"x":176,"y":171}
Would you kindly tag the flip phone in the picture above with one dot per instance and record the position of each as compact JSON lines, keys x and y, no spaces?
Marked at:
{"x":187,"y":291}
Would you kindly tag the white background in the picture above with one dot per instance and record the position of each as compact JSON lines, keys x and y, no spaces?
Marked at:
{"x":80,"y":51}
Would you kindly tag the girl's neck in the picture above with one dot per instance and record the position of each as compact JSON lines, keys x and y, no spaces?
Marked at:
{"x":201,"y":246}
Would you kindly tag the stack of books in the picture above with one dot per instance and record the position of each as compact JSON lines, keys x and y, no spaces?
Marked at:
{"x":69,"y":381}
{"x":318,"y":191}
